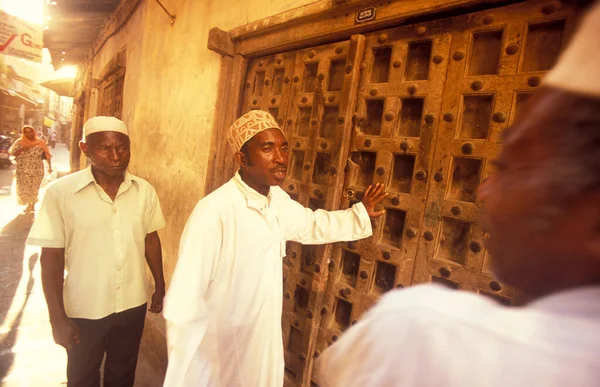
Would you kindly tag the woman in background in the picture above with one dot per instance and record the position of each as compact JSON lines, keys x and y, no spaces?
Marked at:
{"x":29,"y":152}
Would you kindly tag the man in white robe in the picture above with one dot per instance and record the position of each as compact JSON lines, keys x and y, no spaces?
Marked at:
{"x":542,"y":210}
{"x":223,"y":307}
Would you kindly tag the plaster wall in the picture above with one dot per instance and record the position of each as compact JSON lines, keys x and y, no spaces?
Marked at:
{"x":169,"y":100}
{"x":171,"y":103}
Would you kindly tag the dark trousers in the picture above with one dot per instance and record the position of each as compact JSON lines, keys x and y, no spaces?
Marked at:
{"x":118,"y":335}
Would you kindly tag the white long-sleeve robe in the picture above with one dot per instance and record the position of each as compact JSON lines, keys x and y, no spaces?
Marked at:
{"x":428,"y":335}
{"x":224,"y":304}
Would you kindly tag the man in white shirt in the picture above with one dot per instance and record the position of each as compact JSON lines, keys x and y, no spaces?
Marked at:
{"x":542,"y":210}
{"x":224,"y":304}
{"x":100,"y":225}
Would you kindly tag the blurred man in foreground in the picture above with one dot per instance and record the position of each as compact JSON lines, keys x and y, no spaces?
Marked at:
{"x":542,"y":210}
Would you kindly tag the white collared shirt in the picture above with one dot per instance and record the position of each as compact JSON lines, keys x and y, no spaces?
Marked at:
{"x":427,"y":335}
{"x":224,"y":304}
{"x":104,"y":241}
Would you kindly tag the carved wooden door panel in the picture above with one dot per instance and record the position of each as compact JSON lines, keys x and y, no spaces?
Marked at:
{"x":498,"y":58}
{"x":111,"y":93}
{"x":318,"y":126}
{"x":268,"y":84}
{"x":400,"y":98}
{"x":314,"y":106}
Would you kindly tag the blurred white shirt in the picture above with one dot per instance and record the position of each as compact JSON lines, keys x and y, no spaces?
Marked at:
{"x":104,"y":241}
{"x":428,"y":335}
{"x":223,"y":307}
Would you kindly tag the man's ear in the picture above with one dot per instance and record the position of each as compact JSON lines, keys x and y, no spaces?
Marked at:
{"x":84,"y":148}
{"x":240,"y":158}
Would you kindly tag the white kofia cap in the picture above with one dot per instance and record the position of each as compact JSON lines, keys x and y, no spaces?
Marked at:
{"x":578,"y":69}
{"x":104,"y":124}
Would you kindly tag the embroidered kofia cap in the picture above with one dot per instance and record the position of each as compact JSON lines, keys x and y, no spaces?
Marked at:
{"x":104,"y":124}
{"x":248,"y":126}
{"x":577,"y":69}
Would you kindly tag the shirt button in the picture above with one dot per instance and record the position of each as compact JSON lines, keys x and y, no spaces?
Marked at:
{"x":118,"y":288}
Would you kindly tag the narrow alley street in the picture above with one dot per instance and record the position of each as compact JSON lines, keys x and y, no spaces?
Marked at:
{"x":28,"y":354}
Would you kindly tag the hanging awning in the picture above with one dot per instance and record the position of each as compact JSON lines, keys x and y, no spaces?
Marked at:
{"x":18,"y":97}
{"x":62,"y":87}
{"x":48,"y":121}
{"x":73,"y":26}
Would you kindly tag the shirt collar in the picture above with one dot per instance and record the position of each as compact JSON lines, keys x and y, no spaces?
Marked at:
{"x":87,"y":178}
{"x":253,"y":198}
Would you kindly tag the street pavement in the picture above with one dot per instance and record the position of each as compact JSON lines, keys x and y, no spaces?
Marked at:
{"x":28,"y":354}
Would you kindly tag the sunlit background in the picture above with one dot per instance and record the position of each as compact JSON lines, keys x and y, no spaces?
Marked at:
{"x":31,"y":10}
{"x":34,"y":11}
{"x":23,"y":306}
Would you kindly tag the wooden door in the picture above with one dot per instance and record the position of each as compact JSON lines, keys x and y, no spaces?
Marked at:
{"x":498,"y":58}
{"x":400,"y":98}
{"x":433,"y":102}
{"x":420,"y":108}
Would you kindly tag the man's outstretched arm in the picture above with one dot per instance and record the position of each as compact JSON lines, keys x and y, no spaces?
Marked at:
{"x":305,"y":226}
